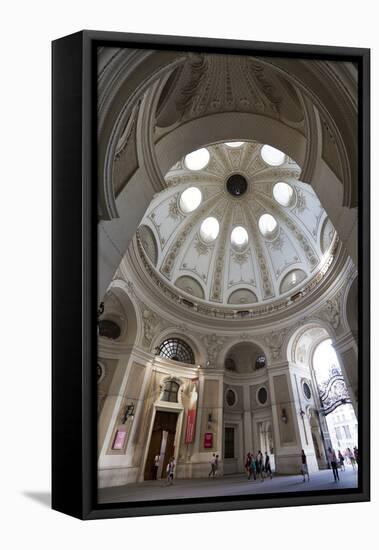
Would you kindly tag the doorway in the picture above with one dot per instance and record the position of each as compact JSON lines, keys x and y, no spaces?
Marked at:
{"x":162,"y":443}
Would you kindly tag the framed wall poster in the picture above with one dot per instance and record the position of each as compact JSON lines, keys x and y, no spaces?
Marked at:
{"x":210,"y":275}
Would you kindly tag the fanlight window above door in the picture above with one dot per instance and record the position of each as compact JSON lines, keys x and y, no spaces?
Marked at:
{"x":176,"y":350}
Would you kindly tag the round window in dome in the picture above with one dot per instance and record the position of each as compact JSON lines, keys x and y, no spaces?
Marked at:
{"x":190,"y":199}
{"x":272,"y":156}
{"x":239,"y":237}
{"x":209,"y":229}
{"x":267,"y":225}
{"x":283,"y":193}
{"x":234,"y":144}
{"x":198,"y":159}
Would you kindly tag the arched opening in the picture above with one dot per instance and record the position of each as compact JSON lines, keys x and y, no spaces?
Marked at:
{"x":176,"y":349}
{"x":335,"y":399}
{"x":245,"y":357}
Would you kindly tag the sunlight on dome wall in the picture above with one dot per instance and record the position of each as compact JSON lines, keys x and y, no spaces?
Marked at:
{"x":190,"y":199}
{"x":209,"y":229}
{"x":267,"y":224}
{"x":272,"y":156}
{"x":239,"y":237}
{"x":283,"y":193}
{"x":197,"y":160}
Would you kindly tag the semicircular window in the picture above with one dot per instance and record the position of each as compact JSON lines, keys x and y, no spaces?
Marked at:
{"x":109,"y":329}
{"x":176,"y":350}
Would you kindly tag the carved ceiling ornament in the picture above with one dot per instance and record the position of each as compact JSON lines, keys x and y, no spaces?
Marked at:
{"x":274,"y":341}
{"x":213,"y":344}
{"x":331,"y":311}
{"x":151,"y":325}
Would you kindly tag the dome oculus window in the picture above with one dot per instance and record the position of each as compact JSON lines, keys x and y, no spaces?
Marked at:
{"x":267,"y":225}
{"x":239,"y":237}
{"x":197,"y":160}
{"x":272,"y":156}
{"x":283,"y":193}
{"x":176,"y":350}
{"x":234,"y":144}
{"x":209,"y":229}
{"x":190,"y":199}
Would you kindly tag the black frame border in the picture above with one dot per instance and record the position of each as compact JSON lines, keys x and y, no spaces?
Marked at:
{"x":74,"y":271}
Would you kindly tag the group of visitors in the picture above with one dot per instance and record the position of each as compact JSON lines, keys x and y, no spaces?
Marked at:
{"x":258,"y":466}
{"x":335,"y":461}
{"x":350,"y":456}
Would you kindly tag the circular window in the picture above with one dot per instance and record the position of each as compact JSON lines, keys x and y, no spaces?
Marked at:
{"x":239,"y":237}
{"x":197,"y":160}
{"x":283,"y":193}
{"x":267,"y":225}
{"x":230,"y":397}
{"x":307,"y":390}
{"x":190,"y":199}
{"x":272,"y":156}
{"x":234,"y":144}
{"x":236,"y":185}
{"x":209,"y":229}
{"x":262,"y":395}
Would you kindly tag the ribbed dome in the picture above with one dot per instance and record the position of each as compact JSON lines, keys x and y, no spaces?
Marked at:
{"x":237,"y":230}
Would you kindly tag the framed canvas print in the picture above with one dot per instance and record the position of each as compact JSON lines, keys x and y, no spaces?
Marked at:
{"x":210,"y":275}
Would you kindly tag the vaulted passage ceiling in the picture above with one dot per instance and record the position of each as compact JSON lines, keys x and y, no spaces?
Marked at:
{"x":235,"y":226}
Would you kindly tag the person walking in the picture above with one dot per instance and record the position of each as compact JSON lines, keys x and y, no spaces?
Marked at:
{"x":267,"y":465}
{"x":252,"y":467}
{"x":333,"y":463}
{"x":155,"y":466}
{"x":216,"y":465}
{"x":260,"y":465}
{"x":247,"y":464}
{"x":341,"y":460}
{"x":304,"y":465}
{"x":351,"y":457}
{"x":355,"y":451}
{"x":170,"y":471}
{"x":213,"y":466}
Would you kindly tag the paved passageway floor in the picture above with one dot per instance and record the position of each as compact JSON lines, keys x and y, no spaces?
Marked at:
{"x":229,"y":485}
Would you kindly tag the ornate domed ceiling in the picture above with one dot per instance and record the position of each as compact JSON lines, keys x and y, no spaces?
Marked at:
{"x":235,"y":227}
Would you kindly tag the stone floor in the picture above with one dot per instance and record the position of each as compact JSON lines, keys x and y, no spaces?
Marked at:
{"x":229,"y":485}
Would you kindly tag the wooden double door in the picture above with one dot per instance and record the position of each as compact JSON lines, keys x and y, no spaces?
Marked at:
{"x":162,"y":443}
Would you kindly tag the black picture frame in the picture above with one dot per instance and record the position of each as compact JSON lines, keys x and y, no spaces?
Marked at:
{"x":74,"y":468}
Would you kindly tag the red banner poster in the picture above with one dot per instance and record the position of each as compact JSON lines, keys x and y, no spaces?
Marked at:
{"x":119,"y":440}
{"x":191,"y":415}
{"x":208,"y":440}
